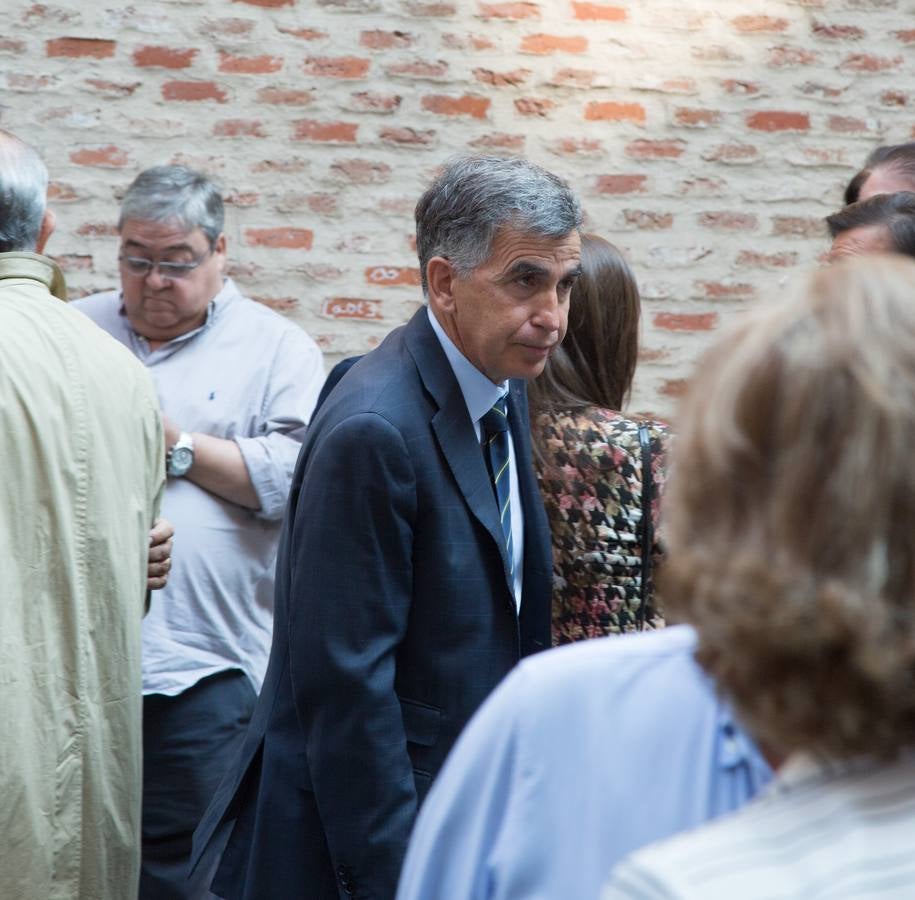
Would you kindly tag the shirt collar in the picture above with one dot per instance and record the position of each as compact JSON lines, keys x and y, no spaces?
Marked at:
{"x":22,"y":264}
{"x":228,"y":293}
{"x":479,"y":392}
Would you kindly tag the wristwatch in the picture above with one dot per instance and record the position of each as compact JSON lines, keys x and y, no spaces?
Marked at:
{"x":180,"y":456}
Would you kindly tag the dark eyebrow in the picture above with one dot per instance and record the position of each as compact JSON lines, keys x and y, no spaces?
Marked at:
{"x":524,"y":268}
{"x":573,"y":273}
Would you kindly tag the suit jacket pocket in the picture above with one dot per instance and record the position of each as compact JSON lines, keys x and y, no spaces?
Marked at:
{"x":421,"y":722}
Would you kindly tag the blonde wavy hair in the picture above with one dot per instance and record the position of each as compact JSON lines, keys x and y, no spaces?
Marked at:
{"x":790,"y":513}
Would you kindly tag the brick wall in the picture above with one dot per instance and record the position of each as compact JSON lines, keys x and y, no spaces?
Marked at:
{"x":707,"y":138}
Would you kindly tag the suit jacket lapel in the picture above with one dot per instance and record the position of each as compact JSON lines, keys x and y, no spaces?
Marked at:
{"x":454,"y":431}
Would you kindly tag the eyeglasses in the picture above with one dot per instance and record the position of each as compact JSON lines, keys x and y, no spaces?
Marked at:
{"x":141,"y":267}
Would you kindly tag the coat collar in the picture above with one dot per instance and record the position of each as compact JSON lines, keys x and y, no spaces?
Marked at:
{"x":34,"y":266}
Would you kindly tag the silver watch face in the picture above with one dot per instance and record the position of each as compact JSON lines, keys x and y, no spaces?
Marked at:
{"x":181,"y":459}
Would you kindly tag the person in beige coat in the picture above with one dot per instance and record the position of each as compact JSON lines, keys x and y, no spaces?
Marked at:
{"x":81,"y":445}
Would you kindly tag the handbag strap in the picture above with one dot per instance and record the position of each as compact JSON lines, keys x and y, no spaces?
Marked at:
{"x":647,"y":523}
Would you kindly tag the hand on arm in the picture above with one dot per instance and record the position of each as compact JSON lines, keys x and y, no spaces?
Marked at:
{"x":219,"y":466}
{"x":160,"y":554}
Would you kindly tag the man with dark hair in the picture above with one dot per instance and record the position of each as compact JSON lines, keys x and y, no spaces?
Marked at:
{"x":81,"y":444}
{"x":414,"y":568}
{"x":884,"y":223}
{"x":237,"y":384}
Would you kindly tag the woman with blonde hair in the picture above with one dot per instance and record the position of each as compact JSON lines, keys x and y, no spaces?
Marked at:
{"x":790,"y":529}
{"x":593,"y":463}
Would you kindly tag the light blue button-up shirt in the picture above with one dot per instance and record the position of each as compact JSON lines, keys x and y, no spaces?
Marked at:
{"x":480,"y":395}
{"x":582,"y":755}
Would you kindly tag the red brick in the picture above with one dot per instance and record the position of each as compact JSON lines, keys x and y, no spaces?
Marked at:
{"x":499,"y":140}
{"x":737,"y":86}
{"x":847,"y":125}
{"x":866,"y":62}
{"x":303,"y":34}
{"x":431,"y":10}
{"x":576,"y":78}
{"x":611,"y":111}
{"x":653,"y":354}
{"x":466,"y":105}
{"x":163,"y":57}
{"x":193,"y":91}
{"x":239,"y":128}
{"x":715,"y":53}
{"x":620,"y":184}
{"x":249,"y":65}
{"x":502,"y":79}
{"x":313,"y":130}
{"x":674,"y":387}
{"x":576,"y":146}
{"x":230,"y":28}
{"x":362,"y":171}
{"x":645,"y":149}
{"x":280,"y":238}
{"x":752,"y":259}
{"x":280,"y":304}
{"x":386,"y":40}
{"x":787,"y":57}
{"x":515,"y":11}
{"x":767,"y":24}
{"x":279,"y":166}
{"x":322,"y":204}
{"x":467,"y":42}
{"x":391,"y":276}
{"x":351,"y":308}
{"x":97,"y":229}
{"x":435,"y":71}
{"x":798,"y":226}
{"x":242,"y":199}
{"x":106,"y":157}
{"x":776,"y":120}
{"x":112,"y":88}
{"x":727,"y":220}
{"x":61,"y":192}
{"x":407,"y":136}
{"x":336,"y":66}
{"x":10,"y":46}
{"x":646,"y":220}
{"x":370,"y":102}
{"x":270,"y":4}
{"x":837,"y":32}
{"x":894,"y":98}
{"x":681,"y":85}
{"x":906,"y":37}
{"x":79,"y":47}
{"x":534,"y":106}
{"x":285,"y":96}
{"x":55,"y":14}
{"x":74,"y":262}
{"x":731,"y":153}
{"x":598,"y":12}
{"x":685,"y":321}
{"x":816,"y":89}
{"x":720,"y":290}
{"x":696,"y":118}
{"x":703,"y":187}
{"x":543,"y":44}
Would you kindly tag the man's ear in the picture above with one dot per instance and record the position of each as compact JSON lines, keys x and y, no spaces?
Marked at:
{"x":219,"y":251}
{"x":48,"y":223}
{"x":440,"y":283}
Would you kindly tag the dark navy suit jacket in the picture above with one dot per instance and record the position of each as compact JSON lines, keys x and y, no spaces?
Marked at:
{"x":394,"y":619}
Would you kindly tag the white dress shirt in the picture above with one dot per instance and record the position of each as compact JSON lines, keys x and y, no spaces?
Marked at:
{"x":480,"y":394}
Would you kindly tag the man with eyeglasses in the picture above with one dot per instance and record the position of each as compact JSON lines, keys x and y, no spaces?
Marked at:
{"x":237,"y":384}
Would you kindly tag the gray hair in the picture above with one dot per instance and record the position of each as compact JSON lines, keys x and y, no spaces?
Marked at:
{"x":462,"y":210}
{"x":23,"y":194}
{"x":175,"y":194}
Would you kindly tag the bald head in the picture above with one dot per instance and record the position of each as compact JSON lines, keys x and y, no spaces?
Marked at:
{"x":23,"y":193}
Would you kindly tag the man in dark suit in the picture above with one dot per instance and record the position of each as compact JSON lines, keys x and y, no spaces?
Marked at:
{"x":414,"y":568}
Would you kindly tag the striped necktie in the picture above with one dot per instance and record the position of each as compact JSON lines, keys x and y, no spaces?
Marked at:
{"x":494,"y":435}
